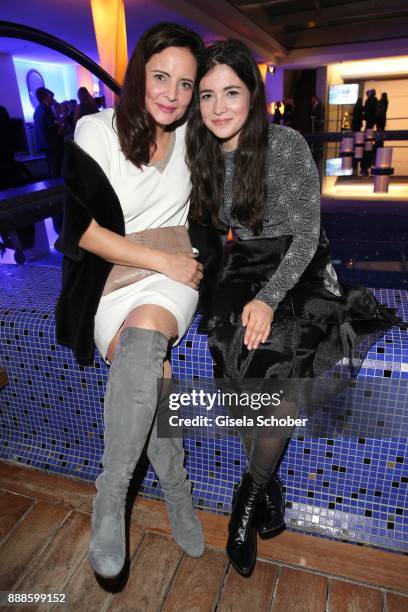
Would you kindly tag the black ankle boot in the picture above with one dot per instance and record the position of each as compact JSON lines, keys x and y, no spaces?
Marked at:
{"x":241,"y":545}
{"x":270,"y":510}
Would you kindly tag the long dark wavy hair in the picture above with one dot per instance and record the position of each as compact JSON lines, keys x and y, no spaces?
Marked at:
{"x":204,"y":154}
{"x":135,"y":126}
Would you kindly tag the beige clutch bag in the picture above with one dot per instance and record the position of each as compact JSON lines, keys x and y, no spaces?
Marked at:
{"x":169,"y":239}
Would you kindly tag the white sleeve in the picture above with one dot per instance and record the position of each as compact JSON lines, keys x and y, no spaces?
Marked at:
{"x":90,"y":135}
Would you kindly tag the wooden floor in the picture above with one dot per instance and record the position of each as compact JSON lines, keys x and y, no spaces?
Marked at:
{"x":44,"y":535}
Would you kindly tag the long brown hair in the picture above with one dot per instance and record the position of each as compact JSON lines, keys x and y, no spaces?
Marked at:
{"x":136,"y":127}
{"x":204,"y":154}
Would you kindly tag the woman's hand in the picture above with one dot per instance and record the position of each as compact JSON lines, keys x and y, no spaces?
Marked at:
{"x":184,"y":268}
{"x":257,"y":317}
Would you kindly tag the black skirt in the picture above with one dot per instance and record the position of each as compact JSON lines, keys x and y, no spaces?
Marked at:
{"x":313,"y":327}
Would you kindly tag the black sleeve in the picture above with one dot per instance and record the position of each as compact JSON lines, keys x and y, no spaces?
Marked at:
{"x":76,"y":220}
{"x":207,"y":241}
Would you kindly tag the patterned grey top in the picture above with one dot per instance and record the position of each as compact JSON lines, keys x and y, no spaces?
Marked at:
{"x":292,"y":207}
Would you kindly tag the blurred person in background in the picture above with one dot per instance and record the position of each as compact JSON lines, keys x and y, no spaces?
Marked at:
{"x":357,"y":121}
{"x":288,"y":112}
{"x":86,"y":106}
{"x":370,"y":109}
{"x":315,"y":115}
{"x":50,"y":139}
{"x":277,"y":115}
{"x":381,"y":112}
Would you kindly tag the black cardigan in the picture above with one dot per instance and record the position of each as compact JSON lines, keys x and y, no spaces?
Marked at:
{"x":89,"y":195}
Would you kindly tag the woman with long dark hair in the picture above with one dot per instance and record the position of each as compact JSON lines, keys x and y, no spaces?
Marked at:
{"x":126,"y":177}
{"x":278,"y":310}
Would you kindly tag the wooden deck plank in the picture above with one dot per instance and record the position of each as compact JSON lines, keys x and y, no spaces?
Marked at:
{"x":349,"y":597}
{"x":151,"y":572}
{"x":26,"y":540}
{"x":359,"y":563}
{"x":197,"y":583}
{"x":12,"y":508}
{"x":395,"y":603}
{"x":59,"y":559}
{"x":254,"y":593}
{"x":70,"y":492}
{"x":298,"y":591}
{"x":86,"y":591}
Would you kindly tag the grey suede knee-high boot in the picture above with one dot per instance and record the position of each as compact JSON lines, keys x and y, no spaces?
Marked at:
{"x":130,"y":406}
{"x":167,"y":458}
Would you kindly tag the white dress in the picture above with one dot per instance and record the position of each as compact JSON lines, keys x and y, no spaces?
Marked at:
{"x":156,"y":196}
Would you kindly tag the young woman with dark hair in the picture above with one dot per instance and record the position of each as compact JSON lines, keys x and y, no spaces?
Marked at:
{"x":125,"y":173}
{"x":278,"y":310}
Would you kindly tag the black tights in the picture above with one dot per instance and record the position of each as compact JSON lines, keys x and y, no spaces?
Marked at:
{"x":264,"y":444}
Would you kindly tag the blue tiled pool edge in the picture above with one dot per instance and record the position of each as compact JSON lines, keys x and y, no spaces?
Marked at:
{"x":51,"y":419}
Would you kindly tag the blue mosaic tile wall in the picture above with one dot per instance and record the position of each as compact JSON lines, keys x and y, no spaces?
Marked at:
{"x":349,"y":489}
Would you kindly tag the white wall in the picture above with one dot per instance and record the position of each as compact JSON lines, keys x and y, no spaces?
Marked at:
{"x":274,"y":86}
{"x":60,"y":78}
{"x":397,"y":92}
{"x":9,"y":94}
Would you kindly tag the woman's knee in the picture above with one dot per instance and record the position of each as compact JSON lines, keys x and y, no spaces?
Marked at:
{"x":155,"y":318}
